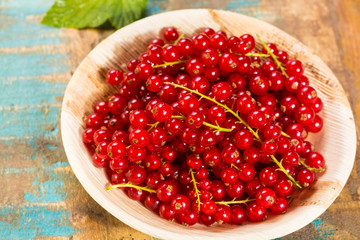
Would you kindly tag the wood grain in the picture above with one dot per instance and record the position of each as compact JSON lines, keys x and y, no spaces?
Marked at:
{"x":338,"y":147}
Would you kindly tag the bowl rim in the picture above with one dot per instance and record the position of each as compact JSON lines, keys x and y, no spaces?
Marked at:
{"x":103,"y":200}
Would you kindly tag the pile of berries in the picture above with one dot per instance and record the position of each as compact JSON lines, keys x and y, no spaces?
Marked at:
{"x":208,"y":129}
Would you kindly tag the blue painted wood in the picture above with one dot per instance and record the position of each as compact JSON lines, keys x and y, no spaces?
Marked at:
{"x":29,"y":104}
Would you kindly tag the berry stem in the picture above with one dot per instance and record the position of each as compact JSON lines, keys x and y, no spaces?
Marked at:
{"x":180,"y":37}
{"x":285,"y":134}
{"x":278,"y":63}
{"x":217,"y":127}
{"x":241,"y":121}
{"x":219,"y":104}
{"x":227,"y":203}
{"x":195,"y":188}
{"x":130,"y":185}
{"x":169,"y":63}
{"x":310,"y":168}
{"x":233,"y":166}
{"x":250,"y":54}
{"x":281,"y":168}
{"x":154,"y":125}
{"x":178,"y":117}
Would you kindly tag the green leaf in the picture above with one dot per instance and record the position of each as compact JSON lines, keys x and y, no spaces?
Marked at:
{"x":93,"y":13}
{"x":126,"y":11}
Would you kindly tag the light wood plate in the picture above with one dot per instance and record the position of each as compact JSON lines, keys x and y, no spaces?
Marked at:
{"x":337,"y":141}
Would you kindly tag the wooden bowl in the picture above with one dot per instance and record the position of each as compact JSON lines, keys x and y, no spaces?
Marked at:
{"x":337,"y":141}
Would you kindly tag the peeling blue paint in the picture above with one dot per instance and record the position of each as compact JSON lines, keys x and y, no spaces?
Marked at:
{"x":323,"y":234}
{"x":242,"y":6}
{"x":21,"y":31}
{"x":35,"y":221}
{"x":51,"y":147}
{"x":28,"y":105}
{"x":43,"y":169}
{"x":154,"y":7}
{"x":47,"y":192}
{"x":33,"y":64}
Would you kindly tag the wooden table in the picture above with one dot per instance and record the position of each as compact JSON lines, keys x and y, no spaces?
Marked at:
{"x":40,"y":196}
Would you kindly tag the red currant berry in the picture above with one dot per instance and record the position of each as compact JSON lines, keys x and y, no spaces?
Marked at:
{"x":291,"y":158}
{"x":230,"y":154}
{"x":210,"y":57}
{"x":251,"y":155}
{"x":229,"y":175}
{"x":138,"y":119}
{"x":208,"y":207}
{"x":283,"y":187}
{"x":222,"y":214}
{"x":305,"y":177}
{"x":235,"y":189}
{"x":304,"y":115}
{"x":114,"y":77}
{"x":269,"y":147}
{"x":316,"y":125}
{"x":116,"y":149}
{"x":228,"y":62}
{"x":222,"y":91}
{"x":294,"y":68}
{"x":194,"y":67}
{"x":217,"y":190}
{"x":136,"y":174}
{"x":99,"y":161}
{"x":243,"y":139}
{"x":256,"y":119}
{"x":280,"y":206}
{"x":139,"y":137}
{"x":266,"y":197}
{"x":306,"y":95}
{"x":315,"y":160}
{"x":166,"y":211}
{"x":268,"y":176}
{"x":161,"y":112}
{"x":255,"y":213}
{"x":167,"y":190}
{"x":252,"y":187}
{"x":180,"y":203}
{"x":171,"y":34}
{"x":238,"y":215}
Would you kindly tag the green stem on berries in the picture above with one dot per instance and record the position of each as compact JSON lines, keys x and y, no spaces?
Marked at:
{"x":310,"y":168}
{"x":169,"y":63}
{"x":281,"y":168}
{"x":180,"y":37}
{"x":217,"y":127}
{"x":241,"y":121}
{"x":195,"y":188}
{"x":152,"y":126}
{"x":250,"y":54}
{"x":219,"y":104}
{"x":233,"y":166}
{"x":132,"y":186}
{"x":285,"y":134}
{"x":227,"y":203}
{"x":278,"y":63}
{"x":178,"y":117}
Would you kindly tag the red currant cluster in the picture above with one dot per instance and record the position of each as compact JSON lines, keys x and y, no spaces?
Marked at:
{"x":207,"y":129}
